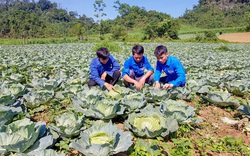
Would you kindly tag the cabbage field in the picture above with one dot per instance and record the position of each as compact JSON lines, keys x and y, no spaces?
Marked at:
{"x":46,"y":107}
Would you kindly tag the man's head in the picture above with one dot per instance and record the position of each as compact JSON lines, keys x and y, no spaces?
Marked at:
{"x":103,"y":55}
{"x":161,"y":53}
{"x":137,"y":52}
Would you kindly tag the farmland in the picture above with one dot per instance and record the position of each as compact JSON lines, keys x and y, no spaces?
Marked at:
{"x":44,"y":95}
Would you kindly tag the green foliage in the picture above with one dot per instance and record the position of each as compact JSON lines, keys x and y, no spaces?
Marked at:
{"x":111,"y":46}
{"x":182,"y":146}
{"x":166,"y":28}
{"x":184,"y":130}
{"x":248,"y":21}
{"x":209,"y":36}
{"x":147,"y":148}
{"x":217,"y":14}
{"x":223,"y":48}
{"x":119,"y":33}
{"x":226,"y":144}
{"x":78,"y":30}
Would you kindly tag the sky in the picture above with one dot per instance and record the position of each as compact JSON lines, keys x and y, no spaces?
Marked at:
{"x":175,"y":8}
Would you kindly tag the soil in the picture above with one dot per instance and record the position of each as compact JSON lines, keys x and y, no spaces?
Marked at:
{"x":236,"y":37}
{"x":213,"y":126}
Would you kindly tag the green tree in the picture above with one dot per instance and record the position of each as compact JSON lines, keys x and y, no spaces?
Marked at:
{"x":78,"y":30}
{"x":166,"y":28}
{"x":119,"y":32}
{"x":248,"y":21}
{"x":99,"y":6}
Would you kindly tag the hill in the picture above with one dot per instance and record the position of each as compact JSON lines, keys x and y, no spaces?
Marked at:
{"x":218,"y":14}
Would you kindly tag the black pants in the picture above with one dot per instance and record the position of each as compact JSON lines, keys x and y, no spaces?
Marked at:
{"x":164,"y":80}
{"x":108,"y":79}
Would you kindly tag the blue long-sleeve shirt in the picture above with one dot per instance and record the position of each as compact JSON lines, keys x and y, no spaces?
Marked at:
{"x":97,"y":69}
{"x":174,"y":70}
{"x":138,"y":68}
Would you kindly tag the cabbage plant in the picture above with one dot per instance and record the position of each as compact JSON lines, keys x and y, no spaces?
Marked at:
{"x":151,"y":123}
{"x":24,"y":136}
{"x":245,"y":109}
{"x":133,"y":101}
{"x":7,"y":114}
{"x":102,"y":140}
{"x":178,"y":110}
{"x":46,"y":84}
{"x":238,"y":87}
{"x":104,"y":109}
{"x":15,"y":89}
{"x":68,"y":125}
{"x":220,"y":98}
{"x":34,"y":99}
{"x":6,"y":100}
{"x":46,"y":152}
{"x":157,"y":95}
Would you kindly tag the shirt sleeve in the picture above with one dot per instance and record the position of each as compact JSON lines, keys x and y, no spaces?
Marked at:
{"x":126,"y":68}
{"x":115,"y":66}
{"x":95,"y":74}
{"x":148,"y":65}
{"x":157,"y":72}
{"x":180,"y":71}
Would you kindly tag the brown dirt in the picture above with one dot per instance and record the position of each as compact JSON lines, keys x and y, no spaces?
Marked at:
{"x":213,"y":127}
{"x":211,"y":116}
{"x":236,"y":37}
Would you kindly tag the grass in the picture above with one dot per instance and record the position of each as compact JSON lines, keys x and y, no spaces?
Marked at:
{"x":186,"y":34}
{"x":185,"y":29}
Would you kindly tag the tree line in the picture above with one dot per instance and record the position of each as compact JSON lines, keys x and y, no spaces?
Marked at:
{"x":43,"y":19}
{"x":218,"y":14}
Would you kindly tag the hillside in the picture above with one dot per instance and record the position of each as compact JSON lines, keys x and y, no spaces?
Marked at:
{"x":218,"y":14}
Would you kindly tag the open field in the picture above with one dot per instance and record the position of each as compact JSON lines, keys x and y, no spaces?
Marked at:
{"x":48,"y":83}
{"x":236,"y":37}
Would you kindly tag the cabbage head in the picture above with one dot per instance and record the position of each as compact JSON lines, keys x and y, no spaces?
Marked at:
{"x":179,"y":110}
{"x":24,"y":136}
{"x":134,"y":101}
{"x":68,"y":125}
{"x":245,"y":109}
{"x":8,"y":113}
{"x":104,"y":109}
{"x":36,"y":98}
{"x":102,"y":140}
{"x":220,"y":98}
{"x":150,"y":123}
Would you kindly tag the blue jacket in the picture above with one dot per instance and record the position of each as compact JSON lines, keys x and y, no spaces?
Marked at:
{"x":174,"y":70}
{"x":97,"y":69}
{"x":138,"y":68}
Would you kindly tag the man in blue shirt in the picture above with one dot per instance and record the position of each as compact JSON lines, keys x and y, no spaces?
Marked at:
{"x":104,"y":69}
{"x":137,"y":69}
{"x":171,"y":66}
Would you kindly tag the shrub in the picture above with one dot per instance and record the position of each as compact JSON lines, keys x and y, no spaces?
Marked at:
{"x":114,"y":47}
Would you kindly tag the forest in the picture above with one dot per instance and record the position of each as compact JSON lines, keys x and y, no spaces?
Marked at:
{"x":44,"y":19}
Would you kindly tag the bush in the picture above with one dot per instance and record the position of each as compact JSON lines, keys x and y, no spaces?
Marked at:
{"x":210,"y":36}
{"x":114,"y":47}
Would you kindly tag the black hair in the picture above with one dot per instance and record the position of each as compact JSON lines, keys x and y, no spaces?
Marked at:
{"x":159,"y":50}
{"x":102,"y":53}
{"x":137,"y":49}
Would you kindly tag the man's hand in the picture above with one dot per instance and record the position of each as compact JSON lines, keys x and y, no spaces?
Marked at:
{"x":103,"y":76}
{"x":167,"y":86}
{"x":157,"y":85}
{"x":142,"y":81}
{"x":138,"y":85}
{"x":109,"y":86}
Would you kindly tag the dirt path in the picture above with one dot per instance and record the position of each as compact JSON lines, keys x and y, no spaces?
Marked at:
{"x":236,"y":37}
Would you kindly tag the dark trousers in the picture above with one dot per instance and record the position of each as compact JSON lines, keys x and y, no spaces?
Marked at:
{"x":108,"y":79}
{"x":149,"y":80}
{"x":164,"y":80}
